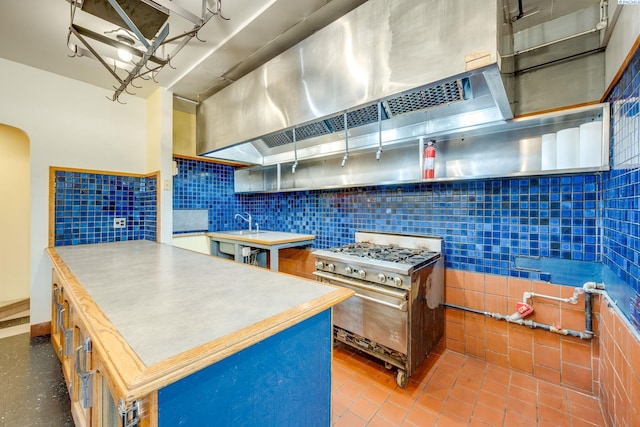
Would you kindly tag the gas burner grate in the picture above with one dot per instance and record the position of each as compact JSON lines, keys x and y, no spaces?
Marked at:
{"x":386,"y":253}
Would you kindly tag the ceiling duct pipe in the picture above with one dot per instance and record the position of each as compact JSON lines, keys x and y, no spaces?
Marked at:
{"x":601,"y":25}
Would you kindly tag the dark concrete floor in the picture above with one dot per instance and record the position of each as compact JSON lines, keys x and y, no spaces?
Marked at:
{"x":32,"y":388}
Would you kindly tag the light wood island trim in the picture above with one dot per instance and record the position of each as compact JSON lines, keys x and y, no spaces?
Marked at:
{"x":131,"y":380}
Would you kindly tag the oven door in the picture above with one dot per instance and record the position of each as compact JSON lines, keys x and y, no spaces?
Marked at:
{"x":378,"y":313}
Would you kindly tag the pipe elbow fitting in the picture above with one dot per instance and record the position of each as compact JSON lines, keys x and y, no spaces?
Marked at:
{"x":593,"y":287}
{"x":576,"y":294}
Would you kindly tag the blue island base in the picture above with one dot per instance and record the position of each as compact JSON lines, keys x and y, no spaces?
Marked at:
{"x":284,"y":380}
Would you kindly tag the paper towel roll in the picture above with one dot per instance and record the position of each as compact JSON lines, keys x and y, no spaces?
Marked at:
{"x":548,"y":151}
{"x":591,"y":144}
{"x":568,"y":148}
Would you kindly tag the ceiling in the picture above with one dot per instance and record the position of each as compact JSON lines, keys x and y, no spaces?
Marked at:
{"x":34,"y":32}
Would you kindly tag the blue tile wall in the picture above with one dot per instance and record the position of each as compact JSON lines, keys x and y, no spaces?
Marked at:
{"x":484,"y":223}
{"x":206,"y":185}
{"x":621,"y":186}
{"x":86,"y":204}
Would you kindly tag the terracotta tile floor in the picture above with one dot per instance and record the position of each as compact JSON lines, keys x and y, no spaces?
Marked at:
{"x":451,"y":389}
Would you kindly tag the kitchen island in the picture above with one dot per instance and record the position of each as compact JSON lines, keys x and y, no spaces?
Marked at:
{"x":150,"y":334}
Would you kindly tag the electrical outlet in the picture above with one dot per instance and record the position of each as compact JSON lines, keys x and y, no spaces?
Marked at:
{"x":119,"y":222}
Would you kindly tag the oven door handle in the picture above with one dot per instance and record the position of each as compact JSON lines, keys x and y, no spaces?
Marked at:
{"x":377,"y":289}
{"x":402,"y":306}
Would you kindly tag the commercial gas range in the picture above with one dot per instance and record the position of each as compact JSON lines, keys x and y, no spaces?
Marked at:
{"x":397,"y":313}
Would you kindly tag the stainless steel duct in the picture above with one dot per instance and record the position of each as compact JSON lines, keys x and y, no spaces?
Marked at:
{"x":431,"y":66}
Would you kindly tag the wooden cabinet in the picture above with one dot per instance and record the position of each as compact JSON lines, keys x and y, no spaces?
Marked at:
{"x":84,"y":370}
{"x":81,"y":387}
{"x":61,"y":330}
{"x":73,"y":347}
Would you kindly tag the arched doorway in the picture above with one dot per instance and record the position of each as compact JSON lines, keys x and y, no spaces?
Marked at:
{"x":14,"y":220}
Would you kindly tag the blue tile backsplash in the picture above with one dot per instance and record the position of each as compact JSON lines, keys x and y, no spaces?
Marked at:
{"x":87,"y":203}
{"x":205,"y":185}
{"x":485,"y":223}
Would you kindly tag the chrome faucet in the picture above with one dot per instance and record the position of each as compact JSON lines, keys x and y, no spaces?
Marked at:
{"x":247,"y":218}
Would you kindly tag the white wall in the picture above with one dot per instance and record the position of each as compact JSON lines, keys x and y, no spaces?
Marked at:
{"x":160,"y":156}
{"x":14,"y":220}
{"x":69,"y":124}
{"x":625,"y":33}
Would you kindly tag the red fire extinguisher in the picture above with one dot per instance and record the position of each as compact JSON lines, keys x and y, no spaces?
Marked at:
{"x":429,"y":160}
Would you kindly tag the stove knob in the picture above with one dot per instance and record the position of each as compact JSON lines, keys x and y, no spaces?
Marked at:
{"x":319,"y":265}
{"x":348,"y":270}
{"x":382,"y":278}
{"x":362,"y":273}
{"x":397,"y":281}
{"x":331,"y":267}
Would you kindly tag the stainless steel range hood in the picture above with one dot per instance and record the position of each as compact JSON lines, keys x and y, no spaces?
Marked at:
{"x":398,"y":69}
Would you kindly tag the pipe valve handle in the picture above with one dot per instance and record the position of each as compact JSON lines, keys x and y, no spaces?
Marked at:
{"x":524,"y":309}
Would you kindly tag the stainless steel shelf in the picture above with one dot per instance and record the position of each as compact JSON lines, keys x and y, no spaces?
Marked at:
{"x":510,"y":149}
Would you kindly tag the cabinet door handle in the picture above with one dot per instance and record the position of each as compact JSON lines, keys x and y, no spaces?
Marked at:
{"x":85,"y":389}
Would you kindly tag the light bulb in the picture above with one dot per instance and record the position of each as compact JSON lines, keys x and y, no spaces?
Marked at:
{"x":125,"y":55}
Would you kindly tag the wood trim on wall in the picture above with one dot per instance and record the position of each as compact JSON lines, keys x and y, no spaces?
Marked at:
{"x":101,"y":172}
{"x":210,"y":160}
{"x":52,"y":201}
{"x":40,"y":329}
{"x":555,"y":110}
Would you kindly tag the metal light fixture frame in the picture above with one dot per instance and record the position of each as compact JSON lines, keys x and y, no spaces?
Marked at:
{"x":149,"y":64}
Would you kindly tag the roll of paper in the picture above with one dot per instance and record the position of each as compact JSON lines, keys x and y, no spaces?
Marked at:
{"x":568,"y":148}
{"x":548,"y":151}
{"x":591,"y":144}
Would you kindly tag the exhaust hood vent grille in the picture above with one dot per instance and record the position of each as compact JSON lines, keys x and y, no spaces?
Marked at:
{"x":360,"y":117}
{"x":445,"y":93}
{"x":309,"y":131}
{"x":277,"y":139}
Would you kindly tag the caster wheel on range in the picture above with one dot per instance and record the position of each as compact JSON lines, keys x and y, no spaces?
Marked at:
{"x":401,"y":378}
